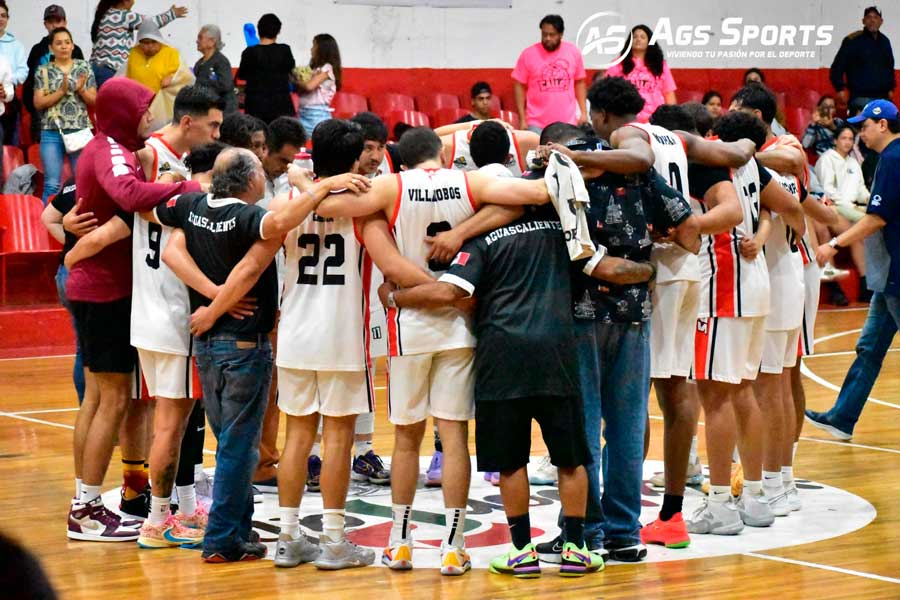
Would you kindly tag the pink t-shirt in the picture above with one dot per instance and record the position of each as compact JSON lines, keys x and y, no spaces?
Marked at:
{"x":652,"y":88}
{"x":550,"y":78}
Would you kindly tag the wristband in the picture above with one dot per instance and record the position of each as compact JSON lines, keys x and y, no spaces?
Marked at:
{"x":833,"y":242}
{"x":594,"y":260}
{"x":391,"y":301}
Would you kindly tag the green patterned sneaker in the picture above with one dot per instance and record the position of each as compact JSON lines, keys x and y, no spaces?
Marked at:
{"x":577,"y":562}
{"x":523,"y":563}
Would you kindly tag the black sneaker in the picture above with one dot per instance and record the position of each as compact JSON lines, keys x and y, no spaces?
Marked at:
{"x":837,"y":296}
{"x":138,"y":507}
{"x":630,"y":553}
{"x":313,"y":472}
{"x":244,"y":552}
{"x":551,"y":551}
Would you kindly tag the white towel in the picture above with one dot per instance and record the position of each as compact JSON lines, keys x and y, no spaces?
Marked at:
{"x":570,"y":198}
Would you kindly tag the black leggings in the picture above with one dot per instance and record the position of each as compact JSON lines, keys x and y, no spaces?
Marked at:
{"x":192,"y":446}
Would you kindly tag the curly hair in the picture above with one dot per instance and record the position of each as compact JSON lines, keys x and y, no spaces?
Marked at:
{"x":736,"y":125}
{"x":672,"y":117}
{"x":616,"y":96}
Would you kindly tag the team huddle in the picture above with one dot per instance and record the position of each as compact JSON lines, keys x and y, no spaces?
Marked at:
{"x":519,"y":277}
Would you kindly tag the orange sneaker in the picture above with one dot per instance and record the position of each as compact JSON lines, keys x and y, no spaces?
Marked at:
{"x":671,"y":534}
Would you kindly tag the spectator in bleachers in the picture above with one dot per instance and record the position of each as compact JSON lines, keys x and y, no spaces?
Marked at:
{"x":646,"y":68}
{"x":7,"y":92}
{"x":863,"y":69}
{"x":819,"y":135}
{"x":14,"y":52}
{"x":318,"y":90}
{"x":481,"y":103}
{"x":266,"y":68}
{"x":549,"y":80}
{"x":754,"y":75}
{"x":712,"y":100}
{"x":112,"y":34}
{"x":63,"y":90}
{"x":152,"y":62}
{"x":54,"y":16}
{"x":213,"y":69}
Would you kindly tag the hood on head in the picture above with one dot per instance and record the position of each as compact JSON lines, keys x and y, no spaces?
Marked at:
{"x":121,"y":103}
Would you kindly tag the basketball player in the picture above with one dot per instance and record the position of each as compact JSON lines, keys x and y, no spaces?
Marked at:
{"x":431,"y":351}
{"x":731,"y":334}
{"x":459,"y":154}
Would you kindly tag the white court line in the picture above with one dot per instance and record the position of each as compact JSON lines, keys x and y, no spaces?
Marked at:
{"x":32,"y":420}
{"x":38,"y":357}
{"x":46,"y":410}
{"x":804,"y":563}
{"x":836,"y":335}
{"x":843,"y":353}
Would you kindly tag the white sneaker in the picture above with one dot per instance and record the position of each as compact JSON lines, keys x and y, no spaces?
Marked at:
{"x":778,"y":501}
{"x":717,"y":518}
{"x":454,"y":561}
{"x":793,"y":498}
{"x":832,"y":273}
{"x":693,"y":475}
{"x":755,"y":510}
{"x":544,"y":474}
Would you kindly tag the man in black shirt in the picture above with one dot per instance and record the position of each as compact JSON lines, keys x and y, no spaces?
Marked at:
{"x":866,"y":60}
{"x":481,"y":103}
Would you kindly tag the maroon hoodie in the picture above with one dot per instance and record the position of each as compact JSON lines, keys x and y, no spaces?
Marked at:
{"x":109,"y":178}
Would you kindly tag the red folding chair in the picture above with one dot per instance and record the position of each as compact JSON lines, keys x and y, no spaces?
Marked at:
{"x":510,"y":117}
{"x":22,"y":234}
{"x":13,"y":158}
{"x":410,"y":117}
{"x":431,"y":103}
{"x":382,"y":104}
{"x":798,"y":119}
{"x":346,"y":105}
{"x":447,"y":116}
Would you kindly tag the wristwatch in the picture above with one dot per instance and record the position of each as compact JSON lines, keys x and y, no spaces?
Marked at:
{"x":390,"y":300}
{"x":833,"y":242}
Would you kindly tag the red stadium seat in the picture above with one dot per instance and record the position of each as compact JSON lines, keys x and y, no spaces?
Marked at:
{"x":22,"y":233}
{"x":797,"y":119}
{"x":447,"y":116}
{"x":688,"y":96}
{"x":346,"y":105}
{"x":781,"y":100}
{"x":382,"y":104}
{"x":804,"y":98}
{"x":12,"y":159}
{"x":410,"y":117}
{"x":25,"y":129}
{"x":431,"y":103}
{"x":511,"y":117}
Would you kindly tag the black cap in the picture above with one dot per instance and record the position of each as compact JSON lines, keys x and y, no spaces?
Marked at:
{"x":873,"y":9}
{"x":54,"y":12}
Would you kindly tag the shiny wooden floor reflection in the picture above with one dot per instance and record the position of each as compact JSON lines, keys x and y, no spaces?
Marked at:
{"x":36,"y":476}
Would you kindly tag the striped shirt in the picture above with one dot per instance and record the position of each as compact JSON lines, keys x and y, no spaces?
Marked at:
{"x":115,"y":36}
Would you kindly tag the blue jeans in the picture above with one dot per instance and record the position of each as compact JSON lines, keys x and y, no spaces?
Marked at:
{"x":62,"y":275}
{"x":102,"y":73}
{"x":614,"y":373}
{"x":235,"y":384}
{"x":877,"y":334}
{"x":310,"y":116}
{"x":53,"y":153}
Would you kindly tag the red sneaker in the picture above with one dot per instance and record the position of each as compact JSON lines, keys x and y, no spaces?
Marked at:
{"x":671,"y":534}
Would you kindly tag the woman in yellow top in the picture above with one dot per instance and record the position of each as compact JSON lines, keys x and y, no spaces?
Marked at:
{"x":152,"y":62}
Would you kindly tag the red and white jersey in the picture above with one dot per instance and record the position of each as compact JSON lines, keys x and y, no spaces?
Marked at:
{"x":386,"y":167}
{"x":462,"y":153}
{"x":673,"y":263}
{"x":731,"y":285}
{"x":786,"y":282}
{"x":429,"y":201}
{"x":160,"y":308}
{"x":324,"y":306}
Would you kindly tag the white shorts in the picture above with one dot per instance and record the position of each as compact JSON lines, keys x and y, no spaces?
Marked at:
{"x":330,"y":393}
{"x":728,"y":349}
{"x":169,"y":375}
{"x":672,"y":326}
{"x":441,"y":384}
{"x":780,"y":350}
{"x":812,"y":280}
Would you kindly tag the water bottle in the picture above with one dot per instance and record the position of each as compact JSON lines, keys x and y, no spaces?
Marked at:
{"x":303,"y":159}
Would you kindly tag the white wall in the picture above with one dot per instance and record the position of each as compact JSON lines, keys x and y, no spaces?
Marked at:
{"x":396,"y":37}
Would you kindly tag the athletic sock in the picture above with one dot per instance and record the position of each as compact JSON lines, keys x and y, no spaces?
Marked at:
{"x":772,"y":482}
{"x":754,"y":487}
{"x":89,"y":492}
{"x":187,"y":499}
{"x":719,"y":493}
{"x":134,"y":477}
{"x":365,"y":424}
{"x":198,"y":471}
{"x":333,"y":523}
{"x":316,"y":450}
{"x":289,"y":518}
{"x":159,"y":510}
{"x":400,"y":527}
{"x":787,"y":476}
{"x":672,"y":505}
{"x":520,"y":530}
{"x":693,"y":454}
{"x":794,"y":452}
{"x":455,"y":523}
{"x":438,"y":446}
{"x":77,"y":495}
{"x":735,"y":456}
{"x":363,"y":447}
{"x":573,"y":530}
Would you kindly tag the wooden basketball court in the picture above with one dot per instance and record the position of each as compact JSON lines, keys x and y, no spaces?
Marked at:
{"x":37,"y":411}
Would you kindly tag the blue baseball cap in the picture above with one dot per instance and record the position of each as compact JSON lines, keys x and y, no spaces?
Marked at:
{"x":877,"y":110}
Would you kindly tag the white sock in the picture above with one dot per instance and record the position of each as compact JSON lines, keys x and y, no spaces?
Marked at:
{"x":77,"y":495}
{"x":772,"y":481}
{"x":787,"y":476}
{"x":735,"y":456}
{"x":754,"y":487}
{"x":159,"y":510}
{"x":89,"y":492}
{"x":794,"y":452}
{"x":333,"y":523}
{"x":455,"y":523}
{"x":400,"y":527}
{"x":363,"y":447}
{"x":289,"y":517}
{"x":693,"y":455}
{"x":316,"y":450}
{"x":187,"y":499}
{"x":719,"y":493}
{"x":198,"y":471}
{"x":365,"y":423}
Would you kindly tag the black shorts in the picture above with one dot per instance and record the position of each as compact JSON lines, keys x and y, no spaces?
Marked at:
{"x":104,"y":330}
{"x":503,"y":432}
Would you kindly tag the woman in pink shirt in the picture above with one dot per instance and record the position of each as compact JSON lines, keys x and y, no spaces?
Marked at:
{"x":646,"y":68}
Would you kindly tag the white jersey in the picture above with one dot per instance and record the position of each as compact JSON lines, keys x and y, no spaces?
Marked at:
{"x":323,"y":309}
{"x":429,"y":201}
{"x":160,"y":308}
{"x":731,"y":285}
{"x":673,"y":263}
{"x":785,"y":268}
{"x":462,"y":153}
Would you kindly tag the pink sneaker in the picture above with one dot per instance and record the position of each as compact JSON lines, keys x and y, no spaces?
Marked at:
{"x":198,"y":520}
{"x":169,"y":534}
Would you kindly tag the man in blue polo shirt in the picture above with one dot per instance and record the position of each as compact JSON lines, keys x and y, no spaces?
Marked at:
{"x":880,"y":130}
